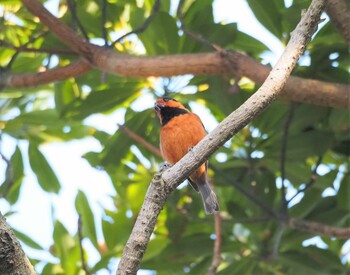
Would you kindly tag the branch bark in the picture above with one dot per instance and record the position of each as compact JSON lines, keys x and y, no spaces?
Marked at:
{"x":218,"y":63}
{"x":217,"y":245}
{"x":154,"y":150}
{"x":163,"y":184}
{"x":74,"y":69}
{"x":339,"y":13}
{"x":319,"y":228}
{"x":12,"y":258}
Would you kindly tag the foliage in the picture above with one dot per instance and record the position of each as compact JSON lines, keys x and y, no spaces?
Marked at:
{"x":316,"y":140}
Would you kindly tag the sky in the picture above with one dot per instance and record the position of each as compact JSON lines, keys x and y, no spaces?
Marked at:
{"x":34,"y":213}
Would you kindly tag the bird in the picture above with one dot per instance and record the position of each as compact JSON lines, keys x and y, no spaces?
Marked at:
{"x":180,"y":131}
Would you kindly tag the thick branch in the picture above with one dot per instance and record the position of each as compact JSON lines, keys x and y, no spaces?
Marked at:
{"x":164,"y":184}
{"x":12,"y":258}
{"x":296,"y":89}
{"x":74,"y":69}
{"x":66,"y":34}
{"x":339,"y":13}
{"x":218,"y":63}
{"x":319,"y":228}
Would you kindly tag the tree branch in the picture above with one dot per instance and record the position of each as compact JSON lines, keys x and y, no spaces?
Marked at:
{"x":154,"y":150}
{"x":80,"y":236}
{"x":76,"y":22}
{"x":103,"y":22}
{"x":217,"y":245}
{"x":218,"y":63}
{"x":319,"y":228}
{"x":12,"y":258}
{"x":311,"y":181}
{"x":163,"y":184}
{"x":74,"y":69}
{"x":250,"y":195}
{"x":284,"y":203}
{"x":143,"y":27}
{"x":190,"y":34}
{"x":339,"y":13}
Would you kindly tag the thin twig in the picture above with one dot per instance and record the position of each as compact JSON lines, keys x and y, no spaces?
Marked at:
{"x":284,"y":144}
{"x":312,"y":180}
{"x":251,"y":196}
{"x":319,"y":228}
{"x":283,"y":213}
{"x":276,"y":240}
{"x":140,"y":140}
{"x":31,"y":40}
{"x":217,"y":245}
{"x":143,"y":27}
{"x":103,"y":22}
{"x":4,"y":44}
{"x":190,"y":34}
{"x":72,"y":7}
{"x":254,"y":220}
{"x":80,"y":236}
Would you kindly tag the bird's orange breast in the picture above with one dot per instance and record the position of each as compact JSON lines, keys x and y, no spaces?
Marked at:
{"x":179,"y":135}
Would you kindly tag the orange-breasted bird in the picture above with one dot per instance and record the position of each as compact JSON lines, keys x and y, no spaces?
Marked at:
{"x":180,"y":131}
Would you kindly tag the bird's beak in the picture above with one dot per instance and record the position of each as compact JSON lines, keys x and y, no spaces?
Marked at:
{"x":158,"y":106}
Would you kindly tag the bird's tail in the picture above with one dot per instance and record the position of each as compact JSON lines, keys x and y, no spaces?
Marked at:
{"x":209,"y":198}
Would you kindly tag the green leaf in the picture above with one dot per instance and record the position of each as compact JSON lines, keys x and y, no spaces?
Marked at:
{"x":308,"y":203}
{"x":28,"y":62}
{"x":343,"y":193}
{"x":66,"y":248}
{"x":44,"y":173}
{"x":119,"y":144}
{"x":45,"y":125}
{"x":298,"y":262}
{"x":116,"y":229}
{"x":161,"y":35}
{"x":248,"y":44}
{"x":155,"y":247}
{"x":102,"y":263}
{"x":27,"y":240}
{"x":14,"y":177}
{"x":302,"y":145}
{"x":52,"y":269}
{"x":87,"y":218}
{"x":106,"y":99}
{"x":66,"y":92}
{"x":269,"y":14}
